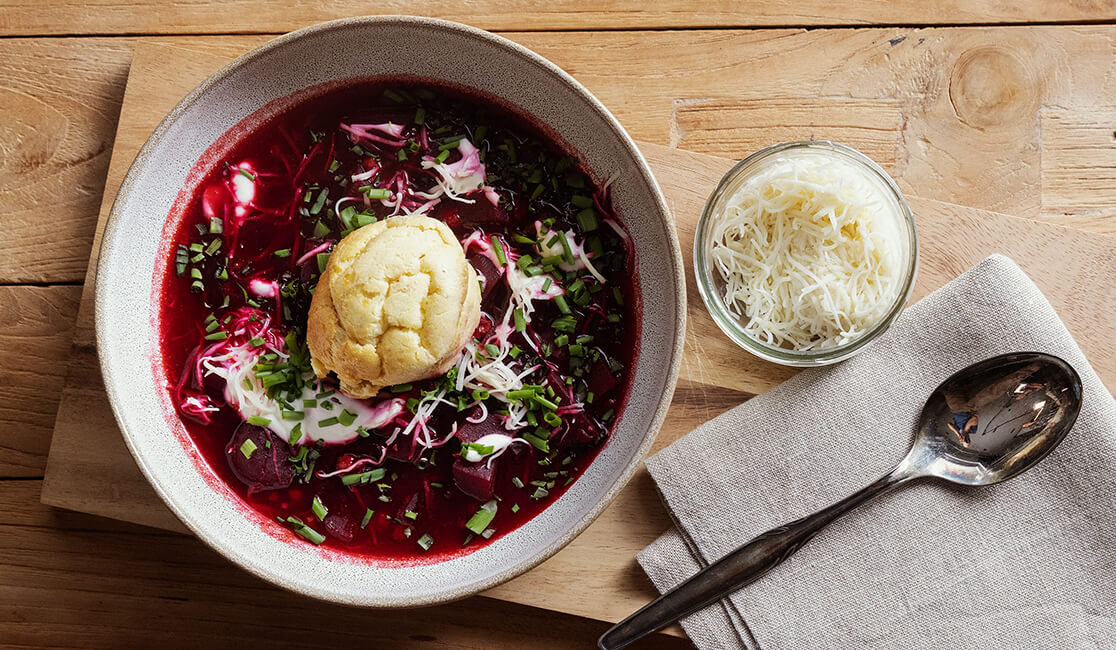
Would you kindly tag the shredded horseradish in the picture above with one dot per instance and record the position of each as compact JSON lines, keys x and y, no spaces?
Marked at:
{"x":808,"y":251}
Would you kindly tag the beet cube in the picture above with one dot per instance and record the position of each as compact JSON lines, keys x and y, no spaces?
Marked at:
{"x":262,"y":463}
{"x":478,"y":480}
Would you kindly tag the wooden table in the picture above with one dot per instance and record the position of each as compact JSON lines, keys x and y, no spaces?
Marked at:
{"x":965,"y":102}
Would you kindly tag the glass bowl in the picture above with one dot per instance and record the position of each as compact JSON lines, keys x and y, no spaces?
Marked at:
{"x":709,"y":283}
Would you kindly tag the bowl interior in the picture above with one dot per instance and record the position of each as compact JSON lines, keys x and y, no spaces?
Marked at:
{"x":133,"y":247}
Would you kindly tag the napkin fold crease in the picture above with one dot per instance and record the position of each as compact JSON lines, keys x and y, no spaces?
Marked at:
{"x":1030,"y":563}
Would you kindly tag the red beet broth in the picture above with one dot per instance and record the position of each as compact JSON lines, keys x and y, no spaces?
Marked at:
{"x":298,"y":164}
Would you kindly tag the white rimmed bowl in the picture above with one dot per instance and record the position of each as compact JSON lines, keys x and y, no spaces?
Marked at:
{"x":134,"y":244}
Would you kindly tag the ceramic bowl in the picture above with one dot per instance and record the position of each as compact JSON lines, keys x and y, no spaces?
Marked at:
{"x":134,"y":243}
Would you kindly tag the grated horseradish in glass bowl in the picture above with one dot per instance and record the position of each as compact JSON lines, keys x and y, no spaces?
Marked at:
{"x":805,"y":253}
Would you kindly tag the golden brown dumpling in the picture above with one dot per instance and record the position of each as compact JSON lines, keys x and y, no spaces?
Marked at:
{"x":395,"y":304}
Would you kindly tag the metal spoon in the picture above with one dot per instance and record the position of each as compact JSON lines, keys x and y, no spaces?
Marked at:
{"x":987,"y":423}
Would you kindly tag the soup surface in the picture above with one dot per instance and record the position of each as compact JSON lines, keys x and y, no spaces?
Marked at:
{"x":420,"y":470}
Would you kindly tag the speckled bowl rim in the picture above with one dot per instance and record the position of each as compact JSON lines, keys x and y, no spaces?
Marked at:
{"x":679,"y":333}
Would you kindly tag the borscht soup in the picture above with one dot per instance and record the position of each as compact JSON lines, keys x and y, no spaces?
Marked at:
{"x":397,"y":319}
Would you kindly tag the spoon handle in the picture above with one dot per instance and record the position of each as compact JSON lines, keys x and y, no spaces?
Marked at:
{"x":739,"y":568}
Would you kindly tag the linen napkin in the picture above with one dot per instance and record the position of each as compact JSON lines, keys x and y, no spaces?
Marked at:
{"x":1030,"y":563}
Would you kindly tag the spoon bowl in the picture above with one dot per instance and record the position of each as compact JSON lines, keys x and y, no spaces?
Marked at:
{"x":995,"y":419}
{"x":984,"y":424}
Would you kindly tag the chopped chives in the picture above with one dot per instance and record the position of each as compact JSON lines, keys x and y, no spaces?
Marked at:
{"x":248,"y":448}
{"x":319,"y":509}
{"x":480,"y":520}
{"x":364,"y":478}
{"x":320,"y":201}
{"x":246,"y":174}
{"x":213,"y":247}
{"x":567,"y":252}
{"x":517,"y":482}
{"x":581,"y":201}
{"x":515,"y":508}
{"x":292,"y":415}
{"x":394,"y":96}
{"x":561,"y":304}
{"x":587,"y":219}
{"x":305,"y":531}
{"x":212,"y":324}
{"x":553,"y":419}
{"x":401,"y":388}
{"x":441,"y":158}
{"x":561,"y":340}
{"x":520,"y":320}
{"x":491,"y":349}
{"x":425,"y":542}
{"x":296,"y":435}
{"x":420,"y":115}
{"x":323,"y":260}
{"x":217,"y":336}
{"x":564,"y":324}
{"x":537,"y":442}
{"x":451,"y":142}
{"x":346,"y":417}
{"x":256,"y":342}
{"x":410,"y":514}
{"x":320,"y":230}
{"x":367,"y":518}
{"x":498,"y":248}
{"x":216,"y":226}
{"x":259,"y":421}
{"x":328,"y":422}
{"x":380,"y":193}
{"x":539,"y":399}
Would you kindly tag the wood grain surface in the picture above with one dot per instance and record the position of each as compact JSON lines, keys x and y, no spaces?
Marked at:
{"x":1012,"y":119}
{"x":264,"y":16}
{"x":1016,"y":119}
{"x":596,"y":575}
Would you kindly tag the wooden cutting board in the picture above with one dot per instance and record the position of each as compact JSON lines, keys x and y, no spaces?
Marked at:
{"x":90,"y":470}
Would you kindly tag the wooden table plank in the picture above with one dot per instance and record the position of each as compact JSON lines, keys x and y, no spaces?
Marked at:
{"x":68,"y":579}
{"x":31,"y":17}
{"x":954,"y":114}
{"x":36,"y":328}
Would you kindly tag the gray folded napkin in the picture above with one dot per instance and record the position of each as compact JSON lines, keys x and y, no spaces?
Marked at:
{"x":1030,"y":563}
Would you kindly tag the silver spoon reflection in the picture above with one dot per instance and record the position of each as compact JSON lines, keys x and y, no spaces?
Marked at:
{"x":985,"y":424}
